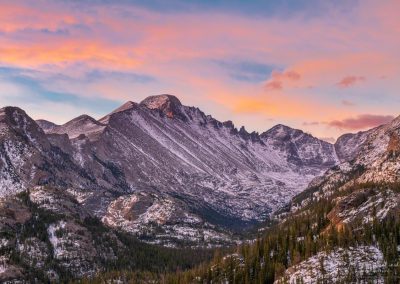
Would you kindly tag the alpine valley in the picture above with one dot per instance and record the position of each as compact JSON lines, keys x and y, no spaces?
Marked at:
{"x":150,"y":192}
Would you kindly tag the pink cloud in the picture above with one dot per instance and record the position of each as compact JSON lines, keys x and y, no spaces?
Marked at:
{"x":350,"y":81}
{"x":362,"y":121}
{"x":347,"y":103}
{"x":310,"y":123}
{"x":274,"y":85}
{"x":279,"y":79}
{"x":286,"y":75}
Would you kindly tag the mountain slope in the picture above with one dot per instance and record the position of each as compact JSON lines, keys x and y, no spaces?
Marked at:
{"x":27,"y":158}
{"x":46,"y":236}
{"x":373,"y":159}
{"x":344,"y":228}
{"x":348,"y":145}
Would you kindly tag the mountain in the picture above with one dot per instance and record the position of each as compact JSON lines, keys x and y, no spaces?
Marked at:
{"x":373,"y":159}
{"x":46,"y":236}
{"x":348,"y":145}
{"x":170,"y":167}
{"x":364,"y":197}
{"x":28,"y":158}
{"x":344,"y":228}
{"x":73,"y":197}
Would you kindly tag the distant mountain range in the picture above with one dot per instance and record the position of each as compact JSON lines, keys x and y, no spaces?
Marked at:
{"x":172,"y":175}
{"x":163,"y":163}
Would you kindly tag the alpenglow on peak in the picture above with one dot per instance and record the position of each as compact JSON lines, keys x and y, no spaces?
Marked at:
{"x":168,"y":104}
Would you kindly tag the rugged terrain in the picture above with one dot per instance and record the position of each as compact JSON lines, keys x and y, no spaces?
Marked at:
{"x":344,"y":228}
{"x":373,"y":158}
{"x":46,"y":235}
{"x":164,"y":171}
{"x":74,"y":195}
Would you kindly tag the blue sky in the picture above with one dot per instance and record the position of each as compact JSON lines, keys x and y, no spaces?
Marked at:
{"x":307,"y":64}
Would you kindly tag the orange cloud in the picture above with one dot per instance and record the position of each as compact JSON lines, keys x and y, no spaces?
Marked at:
{"x":251,"y":106}
{"x":362,"y":121}
{"x":92,"y":54}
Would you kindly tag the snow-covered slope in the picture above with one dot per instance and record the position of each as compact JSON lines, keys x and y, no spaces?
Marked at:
{"x":364,"y":263}
{"x":363,"y":191}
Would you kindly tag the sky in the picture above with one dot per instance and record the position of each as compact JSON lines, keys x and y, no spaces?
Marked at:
{"x":326,"y":67}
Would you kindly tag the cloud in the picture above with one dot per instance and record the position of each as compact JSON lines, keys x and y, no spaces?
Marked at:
{"x":123,"y":51}
{"x":285,"y":9}
{"x":274,"y":85}
{"x":97,"y":74}
{"x":347,"y":103}
{"x":306,"y":123}
{"x":250,"y":106}
{"x":279,"y":79}
{"x":359,"y":122}
{"x":286,"y":75}
{"x":29,"y":89}
{"x":350,"y":81}
{"x":246,"y":71}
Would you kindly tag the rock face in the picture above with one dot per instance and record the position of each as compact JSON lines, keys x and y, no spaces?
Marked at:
{"x":169,"y":105}
{"x":348,"y":145}
{"x":299,"y":148}
{"x":28,"y":158}
{"x":205,"y":176}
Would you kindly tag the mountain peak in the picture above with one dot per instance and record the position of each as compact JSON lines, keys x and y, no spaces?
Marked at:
{"x":279,"y":130}
{"x":16,"y":119}
{"x":167,"y":104}
{"x":161,"y":101}
{"x":8,"y":111}
{"x":46,"y":125}
{"x":125,"y":106}
{"x":283,"y":127}
{"x":82,"y":119}
{"x":14,"y":116}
